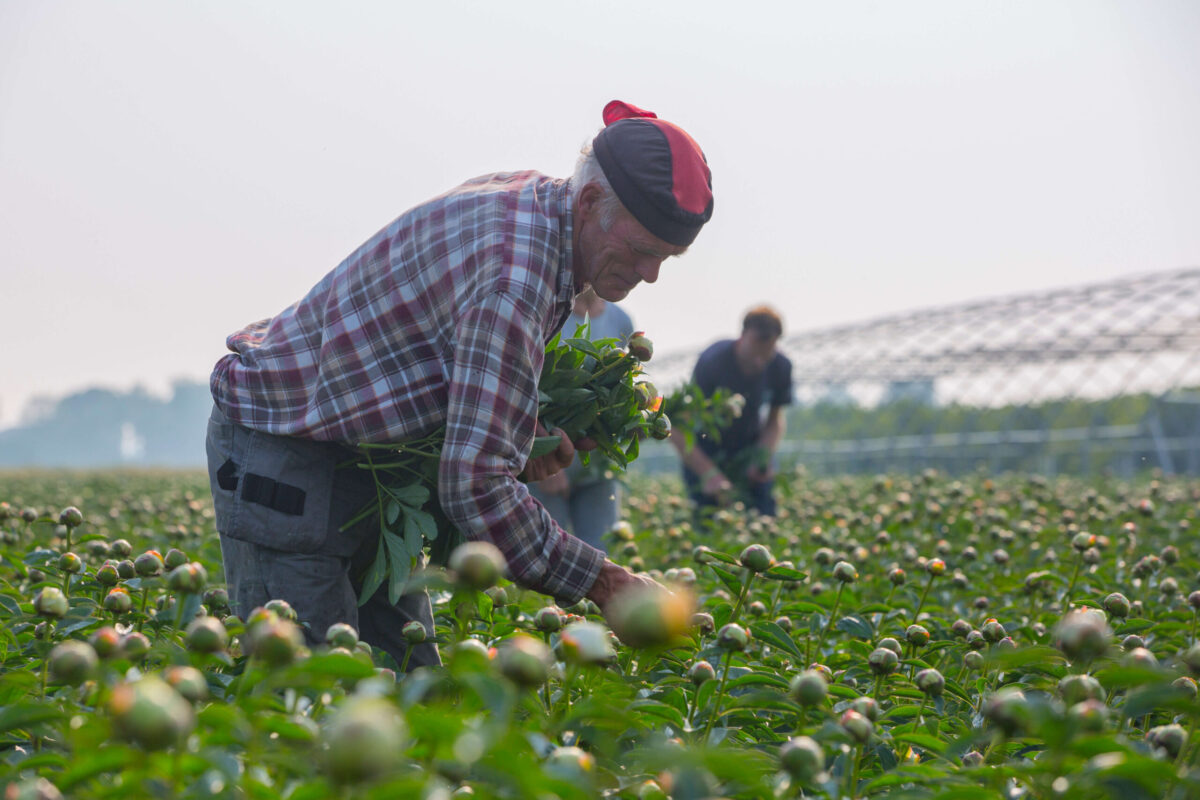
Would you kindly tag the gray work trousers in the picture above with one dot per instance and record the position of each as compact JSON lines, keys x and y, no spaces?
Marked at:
{"x":280,"y":502}
{"x":589,"y":510}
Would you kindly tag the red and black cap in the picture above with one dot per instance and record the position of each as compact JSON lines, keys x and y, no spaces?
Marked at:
{"x":657,"y":170}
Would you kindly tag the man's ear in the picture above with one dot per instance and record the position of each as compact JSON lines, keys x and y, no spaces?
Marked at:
{"x":589,"y":198}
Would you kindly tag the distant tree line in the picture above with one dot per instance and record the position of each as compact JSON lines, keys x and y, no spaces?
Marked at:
{"x":906,"y":417}
{"x":1124,"y":435}
{"x":101,"y":427}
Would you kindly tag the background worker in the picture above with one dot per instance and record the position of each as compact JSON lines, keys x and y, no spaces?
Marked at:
{"x":739,"y":464}
{"x":585,"y":499}
{"x":440,"y":319}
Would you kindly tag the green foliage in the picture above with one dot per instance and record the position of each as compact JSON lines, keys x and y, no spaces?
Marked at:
{"x":588,"y":389}
{"x":1011,"y":717}
{"x":695,"y":413}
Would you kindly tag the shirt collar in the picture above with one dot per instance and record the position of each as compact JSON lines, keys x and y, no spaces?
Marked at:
{"x":565,"y":288}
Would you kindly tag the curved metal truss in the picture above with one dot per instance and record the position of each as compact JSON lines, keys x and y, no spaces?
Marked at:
{"x":1132,"y":336}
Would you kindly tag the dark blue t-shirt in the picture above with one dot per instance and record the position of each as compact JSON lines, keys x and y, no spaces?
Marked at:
{"x":717,"y":368}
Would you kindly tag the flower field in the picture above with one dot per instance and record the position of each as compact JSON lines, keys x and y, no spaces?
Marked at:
{"x":900,"y":637}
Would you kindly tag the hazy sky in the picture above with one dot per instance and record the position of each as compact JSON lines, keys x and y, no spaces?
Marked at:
{"x":172,"y":171}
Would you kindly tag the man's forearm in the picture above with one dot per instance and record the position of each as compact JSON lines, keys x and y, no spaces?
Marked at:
{"x":772,"y":432}
{"x":693,"y":458}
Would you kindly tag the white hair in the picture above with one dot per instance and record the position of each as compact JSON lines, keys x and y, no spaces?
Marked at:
{"x":588,"y":170}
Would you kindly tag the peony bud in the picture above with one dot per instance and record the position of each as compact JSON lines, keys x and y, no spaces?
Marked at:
{"x":802,"y":758}
{"x":640,"y":347}
{"x":883,"y":661}
{"x":524,"y":660}
{"x":931,"y":682}
{"x":733,"y":637}
{"x":341,"y":634}
{"x":71,"y":662}
{"x":845,"y":572}
{"x":808,"y":688}
{"x":858,"y":727}
{"x":478,"y":564}
{"x":701,"y":672}
{"x":151,"y":713}
{"x":51,"y":602}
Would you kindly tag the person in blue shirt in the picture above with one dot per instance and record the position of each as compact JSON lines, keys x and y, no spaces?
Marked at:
{"x":585,"y":500}
{"x":739,"y":463}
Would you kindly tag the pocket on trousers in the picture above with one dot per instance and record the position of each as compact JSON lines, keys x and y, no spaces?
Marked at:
{"x":283,"y":493}
{"x":219,"y":447}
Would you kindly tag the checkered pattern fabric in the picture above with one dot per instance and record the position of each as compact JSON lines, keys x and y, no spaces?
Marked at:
{"x":441,"y":317}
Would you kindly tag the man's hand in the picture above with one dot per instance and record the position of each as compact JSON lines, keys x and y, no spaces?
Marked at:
{"x":538,"y":469}
{"x":758,"y":474}
{"x":714,"y":484}
{"x":614,"y":581}
{"x":556,"y":484}
{"x":761,"y":470}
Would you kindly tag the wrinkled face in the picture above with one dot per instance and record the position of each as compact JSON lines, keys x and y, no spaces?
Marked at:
{"x":754,"y":351}
{"x":614,"y":261}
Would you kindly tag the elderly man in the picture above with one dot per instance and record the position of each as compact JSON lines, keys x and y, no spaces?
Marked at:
{"x":440,"y":318}
{"x":739,"y":462}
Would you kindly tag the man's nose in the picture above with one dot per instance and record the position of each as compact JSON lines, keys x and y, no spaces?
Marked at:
{"x":647,"y":270}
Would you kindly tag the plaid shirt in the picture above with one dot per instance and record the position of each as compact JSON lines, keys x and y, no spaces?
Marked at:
{"x":441,"y":317}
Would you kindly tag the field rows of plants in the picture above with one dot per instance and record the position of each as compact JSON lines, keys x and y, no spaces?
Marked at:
{"x":909,"y":637}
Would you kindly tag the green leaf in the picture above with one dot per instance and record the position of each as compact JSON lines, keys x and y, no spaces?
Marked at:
{"x":631,"y":452}
{"x":570,"y":378}
{"x":293,"y":728}
{"x":44,"y":761}
{"x":717,"y":555}
{"x":484,"y":606}
{"x":1038,"y":655}
{"x":902,"y":712}
{"x":662,"y":711}
{"x":414,"y":540}
{"x":784,"y":574}
{"x":1147,"y":771}
{"x":375,"y":575}
{"x":109,"y":758}
{"x":191,"y":604}
{"x":805,"y":607}
{"x":875,"y":608}
{"x":10,"y":606}
{"x":21,"y":715}
{"x":426,"y":525}
{"x":966,"y":793}
{"x":586,"y":346}
{"x":568,"y":398}
{"x":399,"y":564}
{"x":732,"y":582}
{"x":578,"y":420}
{"x":312,"y":790}
{"x":396,"y":547}
{"x":1145,"y":699}
{"x":758,"y":679}
{"x":542,"y":445}
{"x":40,"y":556}
{"x":91,"y":622}
{"x":392,"y":513}
{"x":856,"y":626}
{"x":1124,"y":677}
{"x":777,"y":637}
{"x":414,"y":495}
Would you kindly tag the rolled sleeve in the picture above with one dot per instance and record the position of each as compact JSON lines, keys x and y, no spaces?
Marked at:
{"x":491,"y":419}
